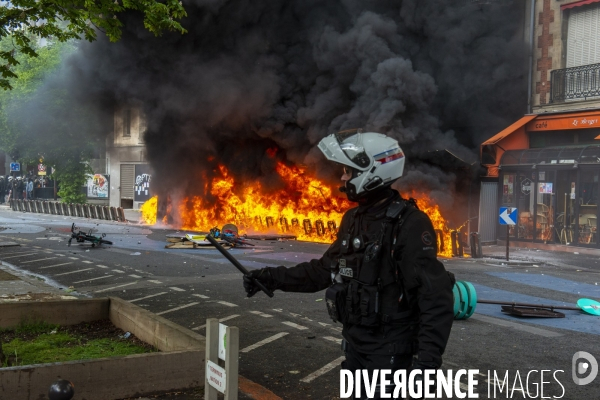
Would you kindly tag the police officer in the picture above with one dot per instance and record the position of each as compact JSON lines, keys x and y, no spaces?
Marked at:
{"x":383,"y":279}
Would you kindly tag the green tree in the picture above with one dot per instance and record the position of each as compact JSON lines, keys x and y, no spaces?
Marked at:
{"x":40,"y":118}
{"x":74,"y":19}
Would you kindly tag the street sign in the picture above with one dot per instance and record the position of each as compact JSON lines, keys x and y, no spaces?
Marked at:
{"x":508,"y":216}
{"x":15,"y":167}
{"x":222,"y":341}
{"x":216,"y":376}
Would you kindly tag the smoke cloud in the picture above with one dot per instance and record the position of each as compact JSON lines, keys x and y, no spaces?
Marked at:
{"x":251,"y":76}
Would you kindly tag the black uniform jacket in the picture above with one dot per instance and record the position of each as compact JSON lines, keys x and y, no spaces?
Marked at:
{"x":427,"y":286}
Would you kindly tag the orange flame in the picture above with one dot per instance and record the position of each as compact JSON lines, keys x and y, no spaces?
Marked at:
{"x":306,"y":208}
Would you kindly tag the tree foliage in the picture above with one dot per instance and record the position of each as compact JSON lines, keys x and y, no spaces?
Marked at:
{"x":72,"y":177}
{"x":74,"y":19}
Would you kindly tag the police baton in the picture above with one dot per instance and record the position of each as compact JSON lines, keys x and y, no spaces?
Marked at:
{"x":237,"y":264}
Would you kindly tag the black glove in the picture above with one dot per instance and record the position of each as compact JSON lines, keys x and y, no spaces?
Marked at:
{"x":263,"y":275}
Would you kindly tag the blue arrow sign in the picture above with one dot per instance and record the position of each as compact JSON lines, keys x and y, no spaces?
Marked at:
{"x":508,"y":216}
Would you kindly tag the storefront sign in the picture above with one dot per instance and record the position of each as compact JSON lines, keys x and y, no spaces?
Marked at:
{"x":560,"y":122}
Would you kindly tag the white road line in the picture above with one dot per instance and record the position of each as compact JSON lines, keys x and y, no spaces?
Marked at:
{"x":73,"y":272}
{"x":88,"y":262}
{"x":335,"y":328}
{"x":41,"y":238}
{"x":60,"y":255}
{"x":18,"y":252}
{"x":323,"y":324}
{"x":37,"y":247}
{"x":101,"y":266}
{"x":135,"y":276}
{"x":154,"y":281}
{"x":147,"y":297}
{"x":220,"y":320}
{"x":93,"y":279}
{"x":293,"y":325}
{"x":177,"y":308}
{"x":118,"y":271}
{"x":277,"y":309}
{"x":39,"y":259}
{"x":322,"y":371}
{"x":22,"y":255}
{"x":177,"y":289}
{"x":515,"y":325}
{"x":263,"y":342}
{"x":227,"y":304}
{"x":261,"y":314}
{"x":332,"y":339}
{"x":201,"y":296}
{"x":115,"y":287}
{"x":56,"y":265}
{"x":74,"y":258}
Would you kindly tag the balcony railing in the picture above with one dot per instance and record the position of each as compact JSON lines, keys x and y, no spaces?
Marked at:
{"x":575,"y":83}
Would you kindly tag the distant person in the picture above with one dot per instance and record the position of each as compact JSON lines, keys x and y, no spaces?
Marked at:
{"x":30,"y":189}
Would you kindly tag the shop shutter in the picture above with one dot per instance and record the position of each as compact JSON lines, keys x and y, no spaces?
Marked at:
{"x":127,"y":180}
{"x":488,"y":211}
{"x":583,"y":36}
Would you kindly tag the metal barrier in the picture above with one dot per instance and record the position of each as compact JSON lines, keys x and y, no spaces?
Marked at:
{"x":64,"y":209}
{"x":121,"y":213}
{"x":113,"y":214}
{"x":105,"y":212}
{"x":475,"y":244}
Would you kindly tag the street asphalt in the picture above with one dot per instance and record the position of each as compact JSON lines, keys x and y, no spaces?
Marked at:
{"x":288,"y":344}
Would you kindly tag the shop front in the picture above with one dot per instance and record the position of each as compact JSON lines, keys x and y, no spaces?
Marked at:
{"x":548,"y":167}
{"x":555,"y":191}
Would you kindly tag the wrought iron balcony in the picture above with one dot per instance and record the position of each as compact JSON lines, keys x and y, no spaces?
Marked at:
{"x":575,"y":83}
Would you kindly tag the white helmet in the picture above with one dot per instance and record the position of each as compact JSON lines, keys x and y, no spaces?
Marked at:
{"x":376,"y":160}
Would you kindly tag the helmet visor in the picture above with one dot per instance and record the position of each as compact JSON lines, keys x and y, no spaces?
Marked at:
{"x":351,"y":145}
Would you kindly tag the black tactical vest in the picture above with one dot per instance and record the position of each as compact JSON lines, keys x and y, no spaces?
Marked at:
{"x":367,"y":288}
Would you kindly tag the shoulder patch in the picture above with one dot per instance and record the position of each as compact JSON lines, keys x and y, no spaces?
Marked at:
{"x":427,"y":238}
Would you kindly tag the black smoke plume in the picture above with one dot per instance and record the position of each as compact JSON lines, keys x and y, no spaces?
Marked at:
{"x":281,"y":74}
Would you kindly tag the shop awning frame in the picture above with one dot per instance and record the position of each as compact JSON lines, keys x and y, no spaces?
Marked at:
{"x":577,"y":4}
{"x":510,"y":129}
{"x":552,"y":156}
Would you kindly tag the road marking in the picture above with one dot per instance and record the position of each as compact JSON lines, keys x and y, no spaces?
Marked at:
{"x":201,"y":296}
{"x":293,"y":325}
{"x":227,"y":304}
{"x":177,"y":289}
{"x":261,"y":314}
{"x":118,"y":271}
{"x":56,"y":265}
{"x":23,"y":255}
{"x":93,"y":279}
{"x":18,"y":252}
{"x":101,"y":266}
{"x":60,"y":255}
{"x":40,"y":239}
{"x":37,"y":247}
{"x":263,"y":342}
{"x":39,"y":259}
{"x":177,"y":308}
{"x":74,"y":258}
{"x":221,"y":320}
{"x":73,"y":272}
{"x":332,"y":339}
{"x":114,"y":287}
{"x":154,"y":281}
{"x":88,"y":262}
{"x":135,"y":276}
{"x":517,"y":326}
{"x":323,"y":324}
{"x":324,"y":370}
{"x":295,"y":315}
{"x":278,"y":309}
{"x":335,"y":328}
{"x":147,"y":297}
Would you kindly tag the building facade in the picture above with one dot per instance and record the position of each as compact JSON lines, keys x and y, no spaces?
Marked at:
{"x":127,"y":165}
{"x":547,"y":164}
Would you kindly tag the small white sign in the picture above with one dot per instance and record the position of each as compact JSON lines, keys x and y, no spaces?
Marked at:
{"x":222,"y":339}
{"x":215,"y":376}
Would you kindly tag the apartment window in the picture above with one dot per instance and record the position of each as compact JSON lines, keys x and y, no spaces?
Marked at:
{"x":127,"y":122}
{"x":583,"y":36}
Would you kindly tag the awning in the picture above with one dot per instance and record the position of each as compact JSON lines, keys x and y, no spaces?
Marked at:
{"x":562,"y":121}
{"x":512,"y":128}
{"x":577,"y":4}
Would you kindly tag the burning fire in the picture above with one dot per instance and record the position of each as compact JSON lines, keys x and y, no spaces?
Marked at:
{"x":307,"y":208}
